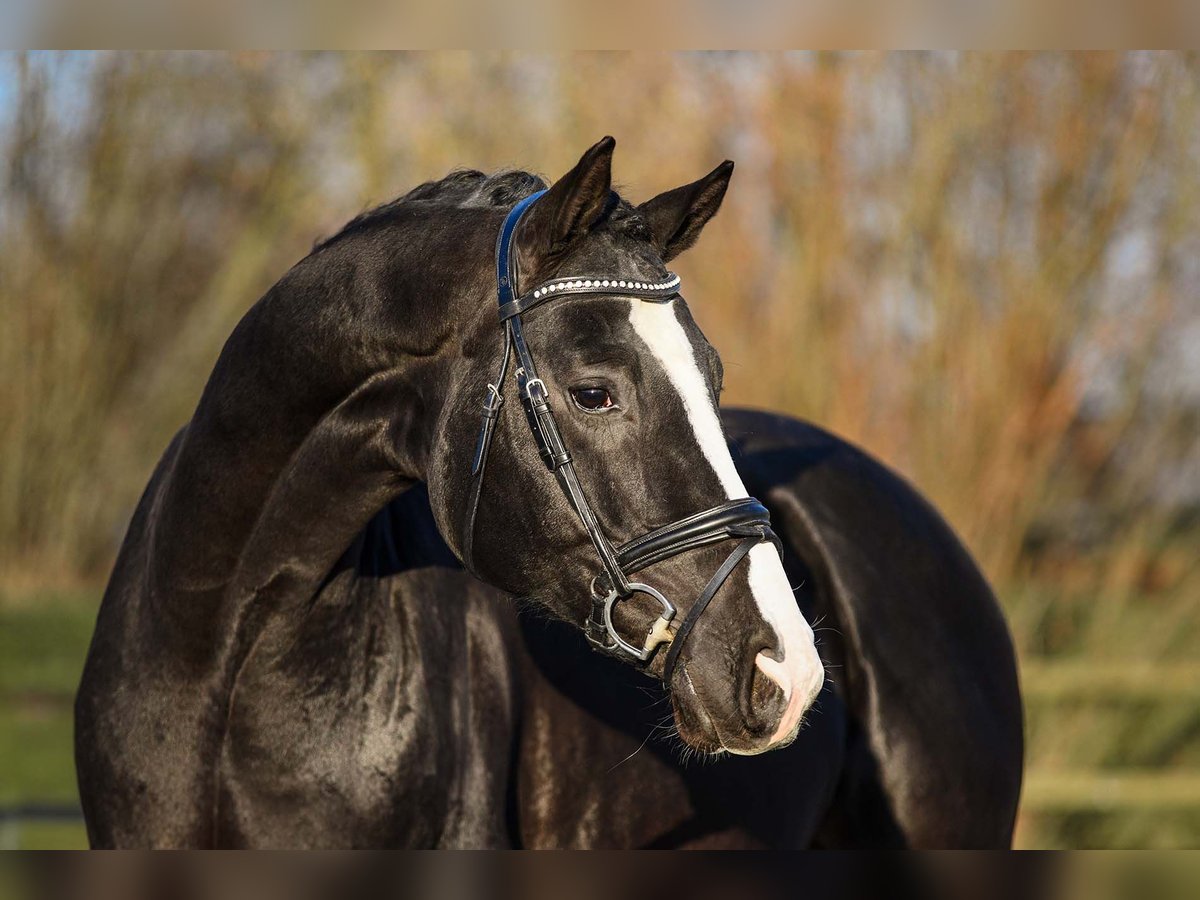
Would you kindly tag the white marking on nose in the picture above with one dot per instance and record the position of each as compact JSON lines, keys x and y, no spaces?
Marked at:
{"x":800,"y":672}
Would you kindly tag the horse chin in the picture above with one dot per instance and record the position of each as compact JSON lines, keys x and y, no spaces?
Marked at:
{"x":697,"y":731}
{"x":709,"y":741}
{"x":766,"y":719}
{"x":763,"y":745}
{"x":701,"y":731}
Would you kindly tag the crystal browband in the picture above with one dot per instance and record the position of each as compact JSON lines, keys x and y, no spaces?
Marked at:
{"x":654,"y":291}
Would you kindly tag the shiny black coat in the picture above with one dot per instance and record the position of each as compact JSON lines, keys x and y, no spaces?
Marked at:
{"x":288,"y":653}
{"x":407,"y":704}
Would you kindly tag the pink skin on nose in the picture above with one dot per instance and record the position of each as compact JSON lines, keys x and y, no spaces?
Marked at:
{"x":796,"y":701}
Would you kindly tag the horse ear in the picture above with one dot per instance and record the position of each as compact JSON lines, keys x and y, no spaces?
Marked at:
{"x":575,"y":202}
{"x":676,"y":217}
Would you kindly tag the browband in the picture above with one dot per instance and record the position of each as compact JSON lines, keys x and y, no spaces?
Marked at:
{"x":655,"y":292}
{"x":743,"y":518}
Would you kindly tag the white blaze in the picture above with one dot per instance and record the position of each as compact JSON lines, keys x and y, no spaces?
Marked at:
{"x":800,"y":673}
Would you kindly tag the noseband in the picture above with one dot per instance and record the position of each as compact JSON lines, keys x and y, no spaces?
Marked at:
{"x":745,"y":519}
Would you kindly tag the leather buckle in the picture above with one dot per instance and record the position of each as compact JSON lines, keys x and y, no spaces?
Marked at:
{"x":541,"y":422}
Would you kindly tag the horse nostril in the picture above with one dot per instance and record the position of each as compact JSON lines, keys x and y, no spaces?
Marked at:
{"x":762,"y":689}
{"x":768,"y":692}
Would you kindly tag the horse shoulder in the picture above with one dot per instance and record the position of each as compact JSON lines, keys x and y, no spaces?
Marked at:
{"x":929,"y":670}
{"x":380,"y":717}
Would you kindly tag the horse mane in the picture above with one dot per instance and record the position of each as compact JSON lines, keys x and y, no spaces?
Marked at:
{"x":472,"y":189}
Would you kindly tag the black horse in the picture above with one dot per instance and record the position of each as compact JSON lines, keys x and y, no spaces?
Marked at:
{"x":289,"y":654}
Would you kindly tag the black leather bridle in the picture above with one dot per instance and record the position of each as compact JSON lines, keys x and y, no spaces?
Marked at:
{"x":745,"y":519}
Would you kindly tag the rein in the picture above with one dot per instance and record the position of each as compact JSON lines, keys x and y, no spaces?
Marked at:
{"x":744,"y":518}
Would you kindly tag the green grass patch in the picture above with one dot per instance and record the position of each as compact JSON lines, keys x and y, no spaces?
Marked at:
{"x":43,"y":645}
{"x":44,"y":836}
{"x":37,"y":762}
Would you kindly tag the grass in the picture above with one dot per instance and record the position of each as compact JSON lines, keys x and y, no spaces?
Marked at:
{"x":36,"y":752}
{"x":43,"y":642}
{"x":46,"y":836}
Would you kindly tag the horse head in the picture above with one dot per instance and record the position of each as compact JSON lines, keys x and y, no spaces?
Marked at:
{"x":597,"y":483}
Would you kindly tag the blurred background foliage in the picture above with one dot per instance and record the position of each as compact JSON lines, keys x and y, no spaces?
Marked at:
{"x":983,"y":268}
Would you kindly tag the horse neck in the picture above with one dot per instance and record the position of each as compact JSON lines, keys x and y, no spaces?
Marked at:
{"x":310,"y":423}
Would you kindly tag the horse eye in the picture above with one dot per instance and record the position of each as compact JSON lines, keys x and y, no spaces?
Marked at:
{"x":592,"y":399}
